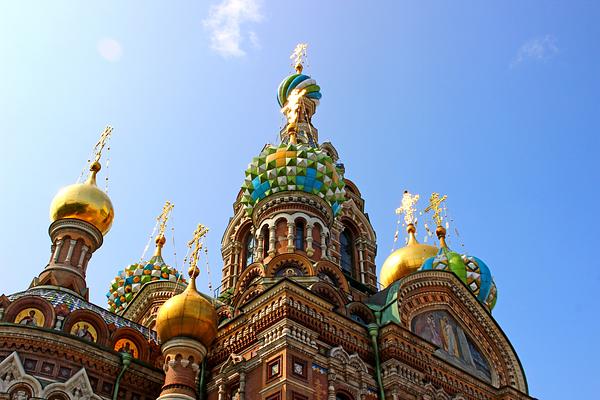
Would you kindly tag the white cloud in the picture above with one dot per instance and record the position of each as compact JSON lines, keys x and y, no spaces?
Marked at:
{"x":225,"y":22}
{"x":537,"y":49}
{"x":110,"y":49}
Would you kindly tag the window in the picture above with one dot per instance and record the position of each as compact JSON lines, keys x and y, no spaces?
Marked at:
{"x":250,"y":245}
{"x":342,"y":396}
{"x":274,"y":368}
{"x":299,"y":235}
{"x":347,"y":252}
{"x":266,"y":240}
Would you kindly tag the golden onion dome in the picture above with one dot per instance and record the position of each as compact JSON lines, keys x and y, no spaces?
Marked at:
{"x":406,"y":259}
{"x":84,"y":201}
{"x":189,"y":314}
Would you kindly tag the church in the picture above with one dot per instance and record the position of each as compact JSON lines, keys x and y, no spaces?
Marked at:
{"x":301,"y":313}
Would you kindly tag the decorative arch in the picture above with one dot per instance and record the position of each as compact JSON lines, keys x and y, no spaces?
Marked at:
{"x":13,"y":376}
{"x":329,"y":293}
{"x":292,"y":260}
{"x":442,"y":290}
{"x":249,"y":294}
{"x":224,"y":313}
{"x":135,"y":337}
{"x":362,"y":311}
{"x":333,"y":272}
{"x":82,"y":317}
{"x":78,"y":387}
{"x":256,"y":270}
{"x":33,"y":302}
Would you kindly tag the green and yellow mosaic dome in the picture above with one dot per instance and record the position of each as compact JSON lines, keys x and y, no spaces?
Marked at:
{"x":293,"y":167}
{"x":130,"y":281}
{"x":469,"y":269}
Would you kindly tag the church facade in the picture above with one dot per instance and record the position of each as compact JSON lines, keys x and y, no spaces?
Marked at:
{"x":301,"y":313}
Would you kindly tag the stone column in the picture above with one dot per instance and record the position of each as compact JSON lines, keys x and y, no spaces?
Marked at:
{"x":330,"y":386}
{"x":57,"y":249}
{"x":260,"y":246}
{"x":324,"y":249}
{"x":272,"y":240}
{"x":84,"y":250}
{"x":309,"y":240}
{"x":72,"y":244}
{"x":242,"y":386}
{"x":290,"y":237}
{"x":361,"y":261}
{"x":182,"y":358}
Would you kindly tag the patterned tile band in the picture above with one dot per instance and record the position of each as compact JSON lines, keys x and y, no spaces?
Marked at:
{"x":58,"y":297}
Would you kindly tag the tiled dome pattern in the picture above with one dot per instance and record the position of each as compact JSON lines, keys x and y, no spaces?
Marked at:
{"x":291,"y":167}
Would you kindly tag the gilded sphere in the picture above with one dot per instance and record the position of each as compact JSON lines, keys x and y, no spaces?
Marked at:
{"x":86,"y":202}
{"x":189,"y":314}
{"x":405,"y":260}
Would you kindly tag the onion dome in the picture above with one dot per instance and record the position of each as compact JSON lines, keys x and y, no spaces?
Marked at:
{"x":406,"y":260}
{"x":188,"y":314}
{"x":84,"y":201}
{"x":471,"y":270}
{"x":298,"y":81}
{"x":130,"y":280}
{"x":293,"y":167}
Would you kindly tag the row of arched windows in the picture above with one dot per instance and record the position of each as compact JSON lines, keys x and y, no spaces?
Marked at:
{"x":346,"y":239}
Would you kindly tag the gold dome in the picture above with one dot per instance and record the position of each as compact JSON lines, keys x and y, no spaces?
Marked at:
{"x":406,"y":259}
{"x":188,"y":314}
{"x":84,"y":201}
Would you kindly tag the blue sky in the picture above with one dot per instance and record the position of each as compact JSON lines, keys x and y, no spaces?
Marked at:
{"x":495,"y":105}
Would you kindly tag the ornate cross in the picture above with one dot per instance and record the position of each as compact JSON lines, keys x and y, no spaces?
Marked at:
{"x":408,"y":207}
{"x":299,"y":57}
{"x":102,"y":142}
{"x":164,"y":217}
{"x":195,"y":246}
{"x":435,"y":202}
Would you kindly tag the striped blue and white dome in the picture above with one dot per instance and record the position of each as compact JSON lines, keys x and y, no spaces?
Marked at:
{"x":298,"y":81}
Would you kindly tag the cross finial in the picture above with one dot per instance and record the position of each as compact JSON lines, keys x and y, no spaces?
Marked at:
{"x":435,"y":202}
{"x":408,"y":207}
{"x":164,"y":217}
{"x":298,"y":57}
{"x":104,"y":136}
{"x":195,"y":246}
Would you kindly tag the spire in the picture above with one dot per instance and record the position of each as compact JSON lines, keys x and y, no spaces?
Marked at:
{"x":298,"y":96}
{"x":81,"y":215}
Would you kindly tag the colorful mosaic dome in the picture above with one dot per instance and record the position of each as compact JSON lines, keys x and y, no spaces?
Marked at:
{"x":293,"y":167}
{"x":298,"y":81}
{"x":471,"y":270}
{"x":130,"y":281}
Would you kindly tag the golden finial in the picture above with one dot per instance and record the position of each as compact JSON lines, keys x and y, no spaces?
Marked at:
{"x":195,"y":246}
{"x":104,"y":137}
{"x":162,"y":225}
{"x":298,"y":57}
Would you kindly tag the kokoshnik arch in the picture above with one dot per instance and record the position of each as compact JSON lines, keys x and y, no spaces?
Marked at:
{"x":300,"y":314}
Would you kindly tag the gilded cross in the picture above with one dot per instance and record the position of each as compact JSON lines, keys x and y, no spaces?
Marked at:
{"x":104,"y":136}
{"x":196,"y":245}
{"x":435,"y":202}
{"x":299,"y":57}
{"x":164,"y":217}
{"x":407,"y":207}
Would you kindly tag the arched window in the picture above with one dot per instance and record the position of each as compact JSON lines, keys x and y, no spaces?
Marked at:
{"x":299,"y":235}
{"x":266,"y":240}
{"x":342,"y":396}
{"x":250,"y":246}
{"x":347,"y":252}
